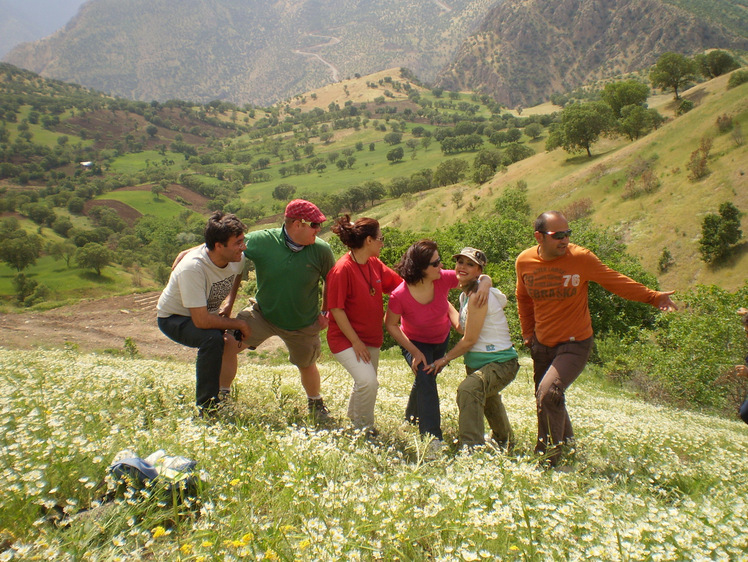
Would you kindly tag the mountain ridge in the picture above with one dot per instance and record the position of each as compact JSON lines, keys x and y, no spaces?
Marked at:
{"x":528,"y":49}
{"x":226,"y":50}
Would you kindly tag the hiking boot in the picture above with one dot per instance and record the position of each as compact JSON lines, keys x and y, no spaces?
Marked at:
{"x":318,"y":410}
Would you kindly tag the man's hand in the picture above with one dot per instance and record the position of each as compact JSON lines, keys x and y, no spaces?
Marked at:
{"x":244,"y":329}
{"x":664,"y":303}
{"x":179,"y":257}
{"x":323,"y":320}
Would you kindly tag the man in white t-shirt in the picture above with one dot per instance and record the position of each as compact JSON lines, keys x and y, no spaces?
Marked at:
{"x":189,"y":309}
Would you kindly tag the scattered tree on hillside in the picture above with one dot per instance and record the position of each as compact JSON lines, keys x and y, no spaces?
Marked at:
{"x":393,"y":138}
{"x":18,"y":249}
{"x":620,"y":94}
{"x":452,"y":170}
{"x":157,"y":189}
{"x":715,"y":63}
{"x":719,"y":233}
{"x":374,"y":190}
{"x":283,"y":191}
{"x":534,"y":130}
{"x":93,"y":256}
{"x":396,"y":154}
{"x":355,"y":198}
{"x":635,"y":121}
{"x":581,"y":126}
{"x":673,"y":71}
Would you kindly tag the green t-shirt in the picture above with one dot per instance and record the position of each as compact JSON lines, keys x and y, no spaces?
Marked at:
{"x":288,"y":281}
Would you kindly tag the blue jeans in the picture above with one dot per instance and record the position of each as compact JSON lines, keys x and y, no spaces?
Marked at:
{"x":209,"y":344}
{"x":744,"y":411}
{"x":423,"y":403}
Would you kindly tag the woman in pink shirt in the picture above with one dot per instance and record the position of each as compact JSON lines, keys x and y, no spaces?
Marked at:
{"x":419,"y":317}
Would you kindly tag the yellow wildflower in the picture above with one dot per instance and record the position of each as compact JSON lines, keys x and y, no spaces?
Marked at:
{"x":248,"y":537}
{"x":158,"y":532}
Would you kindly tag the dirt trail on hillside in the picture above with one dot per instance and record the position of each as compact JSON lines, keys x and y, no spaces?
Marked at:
{"x":96,"y":325}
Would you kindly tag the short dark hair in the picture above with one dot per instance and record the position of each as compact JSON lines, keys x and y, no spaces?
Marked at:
{"x":353,"y":235}
{"x":542,"y":220}
{"x":221,"y":227}
{"x":416,"y":259}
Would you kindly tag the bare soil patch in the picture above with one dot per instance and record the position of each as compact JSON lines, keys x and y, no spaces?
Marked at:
{"x":125,"y":212}
{"x":94,"y":325}
{"x":98,"y":325}
{"x":198,"y":203}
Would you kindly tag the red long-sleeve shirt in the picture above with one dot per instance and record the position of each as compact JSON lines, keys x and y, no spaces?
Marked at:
{"x":552,"y":295}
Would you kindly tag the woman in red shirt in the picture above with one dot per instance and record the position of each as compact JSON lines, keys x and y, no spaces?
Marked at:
{"x":353,"y":295}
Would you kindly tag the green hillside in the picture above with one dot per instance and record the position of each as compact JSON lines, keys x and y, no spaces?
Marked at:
{"x":332,"y":145}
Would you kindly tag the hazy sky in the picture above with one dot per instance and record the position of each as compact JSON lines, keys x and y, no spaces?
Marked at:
{"x":29,"y":20}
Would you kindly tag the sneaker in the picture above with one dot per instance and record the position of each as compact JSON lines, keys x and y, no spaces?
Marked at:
{"x":318,"y":410}
{"x":224,"y":396}
{"x":433,"y":450}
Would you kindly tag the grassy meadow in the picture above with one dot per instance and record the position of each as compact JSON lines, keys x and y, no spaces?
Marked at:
{"x":68,"y":283}
{"x":645,"y":482}
{"x":146,"y":203}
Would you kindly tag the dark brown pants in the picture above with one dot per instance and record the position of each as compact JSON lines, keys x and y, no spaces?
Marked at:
{"x":555,"y":368}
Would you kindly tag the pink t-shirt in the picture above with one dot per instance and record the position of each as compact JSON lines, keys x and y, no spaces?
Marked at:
{"x":426,"y":323}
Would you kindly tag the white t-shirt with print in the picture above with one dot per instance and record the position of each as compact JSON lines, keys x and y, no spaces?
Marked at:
{"x":197,"y":282}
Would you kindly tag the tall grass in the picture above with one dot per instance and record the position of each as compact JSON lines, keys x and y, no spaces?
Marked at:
{"x":645,"y":483}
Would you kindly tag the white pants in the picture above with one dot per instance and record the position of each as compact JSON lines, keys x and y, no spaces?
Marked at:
{"x":365,"y":385}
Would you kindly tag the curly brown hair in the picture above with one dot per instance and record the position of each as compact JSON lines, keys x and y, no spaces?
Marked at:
{"x":413,"y":264}
{"x":353,"y":235}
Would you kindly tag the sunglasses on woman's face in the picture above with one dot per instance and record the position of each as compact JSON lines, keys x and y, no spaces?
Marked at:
{"x":436,"y":262}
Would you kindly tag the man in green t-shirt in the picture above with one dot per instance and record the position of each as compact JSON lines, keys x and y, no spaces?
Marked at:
{"x":290,"y":262}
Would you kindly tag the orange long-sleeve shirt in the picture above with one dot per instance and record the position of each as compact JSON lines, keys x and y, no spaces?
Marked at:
{"x":552,"y":295}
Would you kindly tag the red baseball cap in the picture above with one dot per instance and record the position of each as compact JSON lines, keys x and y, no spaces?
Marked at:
{"x":304,"y":210}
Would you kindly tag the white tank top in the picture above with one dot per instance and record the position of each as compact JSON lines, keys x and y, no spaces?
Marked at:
{"x":495,"y":333}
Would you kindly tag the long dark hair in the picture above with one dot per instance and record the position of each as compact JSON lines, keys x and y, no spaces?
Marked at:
{"x":415,"y":261}
{"x":353,"y":235}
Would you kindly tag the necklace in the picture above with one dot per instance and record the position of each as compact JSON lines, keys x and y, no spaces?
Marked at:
{"x":372,"y":291}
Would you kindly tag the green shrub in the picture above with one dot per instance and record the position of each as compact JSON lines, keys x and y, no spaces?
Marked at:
{"x":737,"y":78}
{"x":684,"y":360}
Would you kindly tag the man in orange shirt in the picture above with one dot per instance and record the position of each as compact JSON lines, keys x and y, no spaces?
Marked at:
{"x":552,"y":283}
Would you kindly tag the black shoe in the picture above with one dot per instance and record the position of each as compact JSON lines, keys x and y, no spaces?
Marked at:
{"x":318,"y":410}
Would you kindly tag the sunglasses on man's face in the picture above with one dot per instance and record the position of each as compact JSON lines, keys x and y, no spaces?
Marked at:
{"x":312,"y":224}
{"x":559,"y":235}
